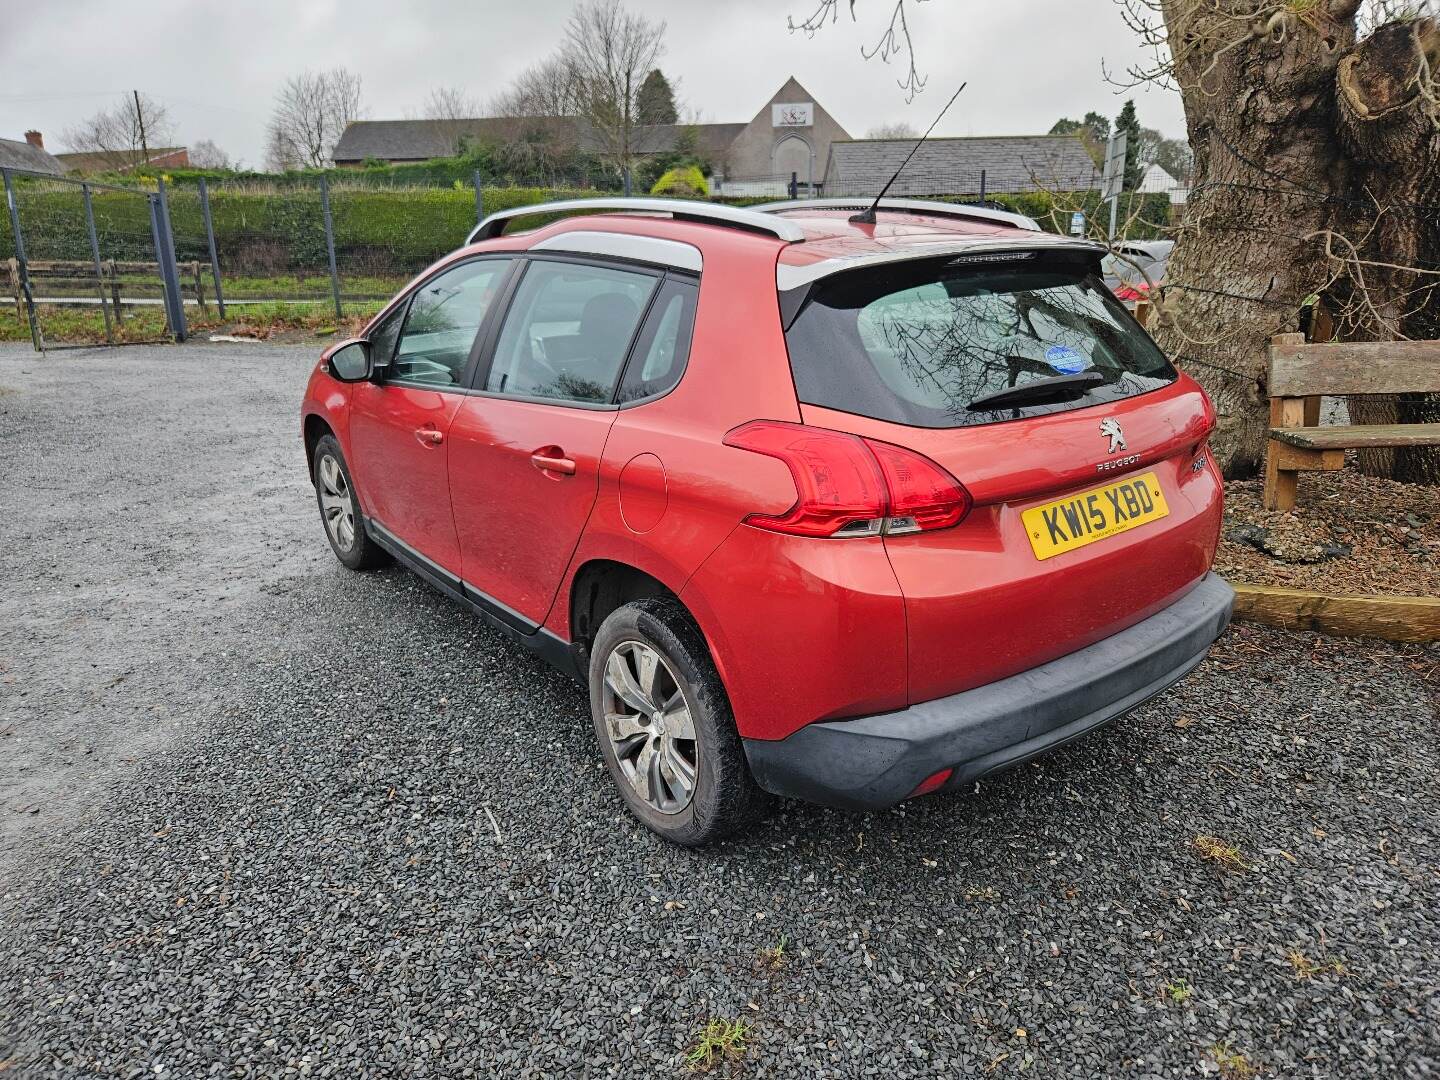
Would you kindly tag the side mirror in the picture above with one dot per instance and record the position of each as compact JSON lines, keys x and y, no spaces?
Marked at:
{"x":350,"y":362}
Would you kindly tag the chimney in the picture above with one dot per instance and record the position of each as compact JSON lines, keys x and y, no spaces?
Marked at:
{"x":34,"y":138}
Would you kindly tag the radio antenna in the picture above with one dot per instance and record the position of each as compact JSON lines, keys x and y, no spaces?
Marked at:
{"x":867,"y":217}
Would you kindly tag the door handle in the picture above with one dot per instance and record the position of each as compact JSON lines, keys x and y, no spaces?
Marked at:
{"x":552,"y":459}
{"x":430,"y":436}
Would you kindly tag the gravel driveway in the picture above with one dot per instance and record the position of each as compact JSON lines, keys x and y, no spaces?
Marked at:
{"x":263,"y":817}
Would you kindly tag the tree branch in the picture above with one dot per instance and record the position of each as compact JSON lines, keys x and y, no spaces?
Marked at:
{"x":894,"y":41}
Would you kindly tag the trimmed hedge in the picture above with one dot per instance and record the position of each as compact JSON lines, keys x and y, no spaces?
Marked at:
{"x":267,"y":231}
{"x":495,"y":161}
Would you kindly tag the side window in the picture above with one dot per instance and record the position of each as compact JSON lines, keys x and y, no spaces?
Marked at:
{"x":664,"y":345}
{"x":568,"y":331}
{"x":445,"y":314}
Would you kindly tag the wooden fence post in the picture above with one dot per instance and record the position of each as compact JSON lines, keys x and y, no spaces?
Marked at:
{"x":13,"y":265}
{"x":114,"y":275}
{"x":194,"y":268}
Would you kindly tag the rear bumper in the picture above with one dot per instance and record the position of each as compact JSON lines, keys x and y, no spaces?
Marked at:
{"x":878,"y":761}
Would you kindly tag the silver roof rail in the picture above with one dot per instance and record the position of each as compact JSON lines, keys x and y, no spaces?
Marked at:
{"x":914,"y":206}
{"x":679,"y":209}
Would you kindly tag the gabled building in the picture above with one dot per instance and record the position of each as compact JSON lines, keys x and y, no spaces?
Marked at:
{"x":791,"y":138}
{"x":961,"y":166}
{"x":790,"y":133}
{"x":1156,"y":181}
{"x":29,"y":155}
{"x":401,"y":142}
{"x":85,"y":163}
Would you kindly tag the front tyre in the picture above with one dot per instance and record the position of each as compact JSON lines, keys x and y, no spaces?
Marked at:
{"x":340,"y":510}
{"x":665,"y":727}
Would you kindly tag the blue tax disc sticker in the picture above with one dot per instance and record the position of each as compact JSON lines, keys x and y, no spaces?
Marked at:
{"x":1065,"y":359}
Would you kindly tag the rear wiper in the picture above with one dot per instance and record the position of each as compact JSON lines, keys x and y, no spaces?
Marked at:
{"x":1053,"y":388}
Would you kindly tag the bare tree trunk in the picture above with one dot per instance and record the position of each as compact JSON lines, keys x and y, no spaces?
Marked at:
{"x":1314,"y":156}
{"x":1261,"y":122}
{"x":1388,"y":128}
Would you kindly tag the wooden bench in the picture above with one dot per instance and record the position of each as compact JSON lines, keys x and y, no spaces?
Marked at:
{"x":1300,"y":374}
{"x":83,"y":273}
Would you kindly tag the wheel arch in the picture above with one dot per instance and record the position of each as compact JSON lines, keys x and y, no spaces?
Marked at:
{"x":600,"y":586}
{"x":315,"y":428}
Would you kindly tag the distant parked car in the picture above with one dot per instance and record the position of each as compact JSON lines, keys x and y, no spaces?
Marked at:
{"x":841,"y":509}
{"x":1131,"y":272}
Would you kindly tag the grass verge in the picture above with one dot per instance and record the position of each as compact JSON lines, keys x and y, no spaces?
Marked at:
{"x":62,"y":325}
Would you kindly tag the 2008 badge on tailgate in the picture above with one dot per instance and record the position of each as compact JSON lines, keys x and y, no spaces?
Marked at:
{"x":1073,"y":522}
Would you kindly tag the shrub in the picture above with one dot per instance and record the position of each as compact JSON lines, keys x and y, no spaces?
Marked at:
{"x":687,"y":180}
{"x":650,"y":168}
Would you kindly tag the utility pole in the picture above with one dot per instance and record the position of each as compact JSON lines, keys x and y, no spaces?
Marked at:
{"x":1113,"y":181}
{"x":140,"y":119}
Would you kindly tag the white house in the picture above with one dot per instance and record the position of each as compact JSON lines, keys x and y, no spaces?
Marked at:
{"x":1155,"y":181}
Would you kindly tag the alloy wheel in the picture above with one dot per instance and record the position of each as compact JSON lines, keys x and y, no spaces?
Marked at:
{"x":650,"y":727}
{"x":336,"y":503}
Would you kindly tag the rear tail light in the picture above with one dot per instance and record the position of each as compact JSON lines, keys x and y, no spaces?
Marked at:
{"x":848,"y":486}
{"x":923,"y":496}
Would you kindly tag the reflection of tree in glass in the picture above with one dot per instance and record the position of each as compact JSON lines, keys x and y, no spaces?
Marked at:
{"x":959,"y":340}
{"x":573,"y":388}
{"x":429,"y":315}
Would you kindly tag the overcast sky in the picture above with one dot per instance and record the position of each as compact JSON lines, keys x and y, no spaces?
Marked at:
{"x":217,"y":65}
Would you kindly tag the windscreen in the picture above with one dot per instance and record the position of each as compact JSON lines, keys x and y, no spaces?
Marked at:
{"x":920,"y":343}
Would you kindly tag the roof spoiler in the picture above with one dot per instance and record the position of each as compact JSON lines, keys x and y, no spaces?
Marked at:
{"x":996,"y":249}
{"x":679,"y":209}
{"x":905,"y":206}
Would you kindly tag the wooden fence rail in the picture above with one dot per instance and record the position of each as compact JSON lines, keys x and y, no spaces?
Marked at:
{"x":108,"y":285}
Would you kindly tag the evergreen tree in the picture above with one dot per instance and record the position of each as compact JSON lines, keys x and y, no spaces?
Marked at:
{"x":655,"y":101}
{"x":1128,"y":123}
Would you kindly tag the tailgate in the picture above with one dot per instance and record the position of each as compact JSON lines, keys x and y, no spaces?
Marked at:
{"x":987,"y":598}
{"x":1024,"y":377}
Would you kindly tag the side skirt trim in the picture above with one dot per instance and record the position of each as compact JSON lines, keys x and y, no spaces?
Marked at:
{"x":547,"y":645}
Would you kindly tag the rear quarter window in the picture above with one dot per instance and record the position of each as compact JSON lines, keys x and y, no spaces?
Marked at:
{"x":916,"y":344}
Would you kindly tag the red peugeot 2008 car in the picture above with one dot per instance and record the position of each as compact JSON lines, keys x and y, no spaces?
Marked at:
{"x":818,"y":507}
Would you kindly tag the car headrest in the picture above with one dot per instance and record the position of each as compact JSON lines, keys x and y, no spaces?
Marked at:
{"x":609,"y":317}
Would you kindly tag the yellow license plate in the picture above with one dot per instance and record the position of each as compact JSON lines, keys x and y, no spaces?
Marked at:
{"x":1073,"y":522}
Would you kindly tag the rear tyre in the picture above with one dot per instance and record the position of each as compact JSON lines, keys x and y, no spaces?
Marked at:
{"x":340,"y":509}
{"x":665,"y":727}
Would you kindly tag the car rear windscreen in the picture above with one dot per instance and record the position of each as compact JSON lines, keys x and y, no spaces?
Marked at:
{"x":916,"y":343}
